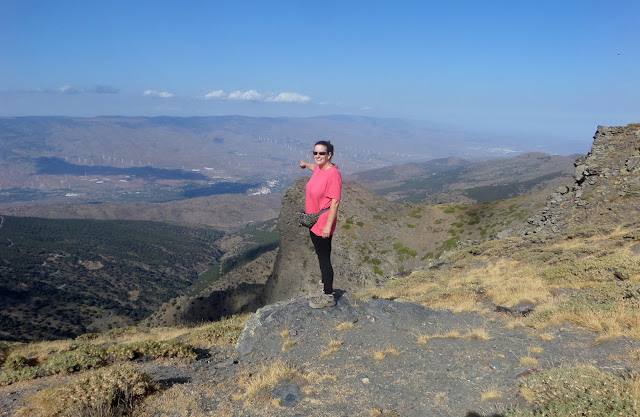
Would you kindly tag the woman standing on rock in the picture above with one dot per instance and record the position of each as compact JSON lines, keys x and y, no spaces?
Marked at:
{"x":323,"y":191}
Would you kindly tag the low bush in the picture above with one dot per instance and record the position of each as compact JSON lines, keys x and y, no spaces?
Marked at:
{"x":5,"y":349}
{"x":81,"y":358}
{"x":225,"y":331}
{"x":153,"y":349}
{"x":11,"y":376}
{"x":579,"y":391}
{"x":110,"y":391}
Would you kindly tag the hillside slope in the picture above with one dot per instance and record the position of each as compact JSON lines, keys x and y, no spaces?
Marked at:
{"x":62,"y":278}
{"x":227,"y":212}
{"x":377,"y":239}
{"x":451,"y":180}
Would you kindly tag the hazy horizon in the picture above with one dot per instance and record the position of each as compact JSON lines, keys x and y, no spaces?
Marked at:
{"x":536,"y":72}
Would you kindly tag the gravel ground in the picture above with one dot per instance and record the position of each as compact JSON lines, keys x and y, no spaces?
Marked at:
{"x":442,"y":377}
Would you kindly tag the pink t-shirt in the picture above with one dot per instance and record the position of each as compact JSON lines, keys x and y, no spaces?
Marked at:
{"x":323,"y":186}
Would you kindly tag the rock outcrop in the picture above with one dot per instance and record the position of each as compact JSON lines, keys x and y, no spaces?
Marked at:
{"x":606,"y":184}
{"x":296,"y":270}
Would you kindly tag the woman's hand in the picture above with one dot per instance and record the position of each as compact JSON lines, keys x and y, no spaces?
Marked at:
{"x":303,"y":164}
{"x":326,"y":232}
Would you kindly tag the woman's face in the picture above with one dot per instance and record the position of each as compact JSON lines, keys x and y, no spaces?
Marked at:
{"x":321,"y":159}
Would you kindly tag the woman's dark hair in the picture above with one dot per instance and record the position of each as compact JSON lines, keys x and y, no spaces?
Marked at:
{"x":326,"y":144}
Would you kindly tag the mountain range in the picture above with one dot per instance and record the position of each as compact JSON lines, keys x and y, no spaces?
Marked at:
{"x":159,"y":159}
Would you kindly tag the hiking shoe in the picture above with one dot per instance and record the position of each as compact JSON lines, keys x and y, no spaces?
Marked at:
{"x":322,"y":300}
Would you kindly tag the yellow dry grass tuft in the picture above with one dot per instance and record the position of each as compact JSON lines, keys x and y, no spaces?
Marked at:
{"x":528,"y":361}
{"x":335,"y":343}
{"x":504,"y":282}
{"x":479,"y":334}
{"x":490,"y":393}
{"x":329,"y":352}
{"x":334,"y":347}
{"x":288,"y":344}
{"x":266,"y":378}
{"x":347,"y":325}
{"x":381,"y":354}
{"x":546,"y":336}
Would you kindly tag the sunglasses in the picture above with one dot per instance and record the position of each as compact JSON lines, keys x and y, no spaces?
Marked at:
{"x":319,"y":153}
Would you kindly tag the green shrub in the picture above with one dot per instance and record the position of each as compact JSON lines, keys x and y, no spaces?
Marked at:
{"x":121,"y":331}
{"x":5,"y":349}
{"x":153,"y":349}
{"x":377,"y":270}
{"x":576,"y":392}
{"x":450,"y":243}
{"x":10,"y":376}
{"x":81,"y":358}
{"x":403,"y":250}
{"x":111,"y":391}
{"x":15,"y":362}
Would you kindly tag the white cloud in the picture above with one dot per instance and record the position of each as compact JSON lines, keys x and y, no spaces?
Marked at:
{"x":214,"y":94}
{"x":251,"y":95}
{"x":158,"y":94}
{"x":289,"y":98}
{"x":70,"y":90}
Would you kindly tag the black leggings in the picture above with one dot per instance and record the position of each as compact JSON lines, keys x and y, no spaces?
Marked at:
{"x":323,"y":250}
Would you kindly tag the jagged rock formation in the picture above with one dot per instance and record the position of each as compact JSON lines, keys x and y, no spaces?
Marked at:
{"x":606,"y":187}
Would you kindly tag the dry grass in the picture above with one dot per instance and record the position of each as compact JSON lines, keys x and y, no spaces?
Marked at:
{"x":334,"y":347}
{"x":490,"y":393}
{"x":347,"y":325}
{"x":288,"y":344}
{"x":504,"y":282}
{"x":536,"y":350}
{"x":106,"y":392}
{"x":528,"y":361}
{"x":532,"y":270}
{"x":223,"y":332}
{"x":266,"y":378}
{"x":41,"y":351}
{"x":335,"y":343}
{"x":381,"y":354}
{"x":479,"y":334}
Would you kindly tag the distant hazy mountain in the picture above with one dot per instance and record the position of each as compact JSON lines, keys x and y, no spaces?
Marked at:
{"x":63,"y":159}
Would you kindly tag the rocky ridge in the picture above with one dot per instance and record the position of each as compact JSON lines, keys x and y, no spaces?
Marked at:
{"x":606,"y":184}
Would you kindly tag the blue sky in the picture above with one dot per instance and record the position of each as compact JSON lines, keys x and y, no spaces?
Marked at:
{"x":528,"y":68}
